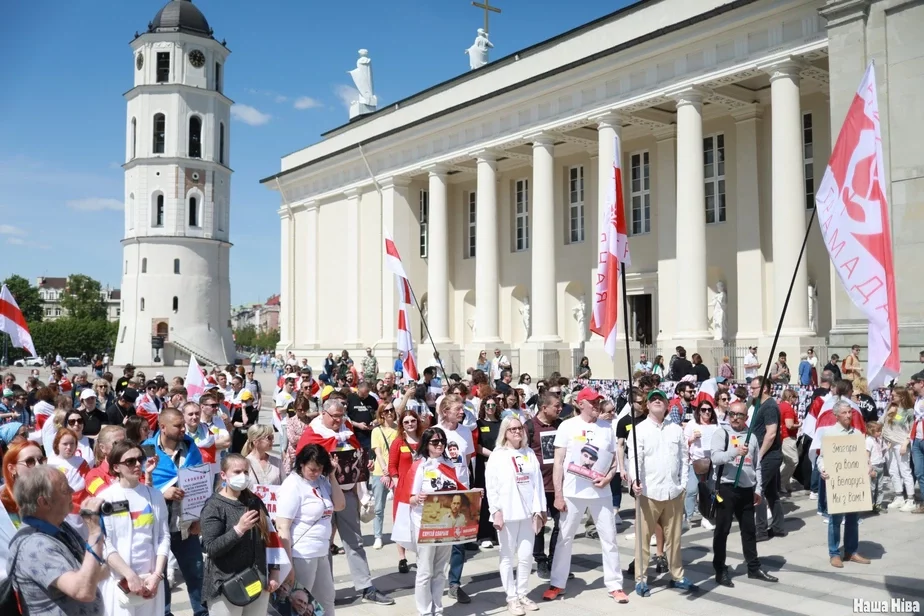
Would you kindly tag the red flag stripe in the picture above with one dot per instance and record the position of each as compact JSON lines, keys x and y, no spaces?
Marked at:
{"x":12,"y":313}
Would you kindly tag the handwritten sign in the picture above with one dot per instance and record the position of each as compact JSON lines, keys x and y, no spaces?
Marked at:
{"x":848,"y":473}
{"x":196,"y":483}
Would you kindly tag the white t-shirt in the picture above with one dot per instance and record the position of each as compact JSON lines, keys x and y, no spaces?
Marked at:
{"x":573,"y":435}
{"x":462,"y":437}
{"x":750,"y":359}
{"x":85,"y":451}
{"x":876,"y":450}
{"x":142,"y":512}
{"x":310,"y":508}
{"x":428,"y":479}
{"x":282,"y":399}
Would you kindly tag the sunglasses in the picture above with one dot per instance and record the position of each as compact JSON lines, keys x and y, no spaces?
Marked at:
{"x":515,"y":429}
{"x":30,"y":462}
{"x":705,"y":408}
{"x":211,"y":406}
{"x":437,"y":442}
{"x":738,"y":415}
{"x":132,"y":461}
{"x":74,"y":422}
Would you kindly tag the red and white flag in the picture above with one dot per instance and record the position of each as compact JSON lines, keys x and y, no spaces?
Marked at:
{"x":405,"y":299}
{"x":13,"y":323}
{"x":613,"y":254}
{"x":853,"y":214}
{"x":195,"y":380}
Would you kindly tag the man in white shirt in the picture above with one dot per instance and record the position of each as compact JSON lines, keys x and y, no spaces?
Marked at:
{"x":751,"y":364}
{"x":663,"y":468}
{"x":498,"y":365}
{"x":643,"y":364}
{"x":576,"y":493}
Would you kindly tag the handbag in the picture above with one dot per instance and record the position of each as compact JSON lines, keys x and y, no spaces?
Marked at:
{"x":245,"y":587}
{"x":714,"y":506}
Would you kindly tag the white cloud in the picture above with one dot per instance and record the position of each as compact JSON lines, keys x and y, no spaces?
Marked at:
{"x":11,"y":230}
{"x":16,"y":241}
{"x":346,"y":94}
{"x":281,"y":98}
{"x":94,"y":204}
{"x":250,"y":115}
{"x":306,"y":102}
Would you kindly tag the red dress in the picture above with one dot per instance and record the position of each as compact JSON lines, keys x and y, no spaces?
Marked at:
{"x":400,"y":460}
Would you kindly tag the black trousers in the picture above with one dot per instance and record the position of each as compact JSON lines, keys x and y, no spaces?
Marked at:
{"x":770,"y":482}
{"x":539,"y":544}
{"x":738,"y":504}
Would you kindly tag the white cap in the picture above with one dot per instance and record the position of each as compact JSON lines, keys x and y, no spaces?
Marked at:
{"x":87,"y":393}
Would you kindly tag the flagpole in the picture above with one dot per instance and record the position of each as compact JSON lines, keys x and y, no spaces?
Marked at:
{"x":776,"y":337}
{"x":639,"y":566}
{"x":423,"y":320}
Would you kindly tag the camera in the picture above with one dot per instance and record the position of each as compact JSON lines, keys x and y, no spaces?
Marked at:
{"x":112,"y":508}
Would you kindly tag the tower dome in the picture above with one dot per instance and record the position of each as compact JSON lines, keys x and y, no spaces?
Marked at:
{"x":180,"y":16}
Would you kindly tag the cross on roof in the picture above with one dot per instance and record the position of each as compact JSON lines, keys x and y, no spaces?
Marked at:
{"x":488,"y":9}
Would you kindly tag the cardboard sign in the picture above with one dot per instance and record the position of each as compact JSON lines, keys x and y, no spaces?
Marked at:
{"x":847,"y":465}
{"x":196,"y":483}
{"x":450,"y":517}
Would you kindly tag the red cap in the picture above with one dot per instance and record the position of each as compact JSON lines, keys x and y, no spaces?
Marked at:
{"x":589,"y":395}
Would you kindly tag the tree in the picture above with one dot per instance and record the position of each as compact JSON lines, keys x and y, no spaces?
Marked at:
{"x":245,"y":336}
{"x":82,"y":299}
{"x":267,"y":339}
{"x":27,"y":297}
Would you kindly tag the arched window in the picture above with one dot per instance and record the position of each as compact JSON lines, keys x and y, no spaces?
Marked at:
{"x":176,"y":303}
{"x":144,"y":266}
{"x":195,"y":137}
{"x":193,"y":212}
{"x":160,"y":133}
{"x":142,"y":304}
{"x":159,"y":211}
{"x":134,"y":137}
{"x":131,"y":211}
{"x":176,"y":266}
{"x":221,"y":143}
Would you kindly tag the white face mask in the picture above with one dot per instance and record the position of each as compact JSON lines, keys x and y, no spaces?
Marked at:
{"x":239,"y":482}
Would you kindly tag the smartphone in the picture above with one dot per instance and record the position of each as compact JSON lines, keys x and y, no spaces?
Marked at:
{"x":148,"y":451}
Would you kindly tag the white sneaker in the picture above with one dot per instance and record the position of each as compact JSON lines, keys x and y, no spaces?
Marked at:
{"x":897,"y":503}
{"x":515,"y":608}
{"x":528,"y":604}
{"x":378,"y":544}
{"x":487,"y":545}
{"x":813,"y":495}
{"x":708,"y":525}
{"x":909,"y":506}
{"x":616,"y":519}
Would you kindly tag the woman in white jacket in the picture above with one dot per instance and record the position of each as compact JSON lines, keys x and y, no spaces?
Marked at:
{"x":516,"y":498}
{"x":137,"y":536}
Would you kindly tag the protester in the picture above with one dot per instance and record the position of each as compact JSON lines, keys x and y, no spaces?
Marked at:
{"x":515,"y":490}
{"x":896,"y":431}
{"x":99,"y":478}
{"x":765,"y":425}
{"x":698,"y":434}
{"x":546,"y":420}
{"x":382,"y":436}
{"x":400,"y":460}
{"x":488,"y":430}
{"x":736,"y":494}
{"x":298,"y":418}
{"x":876,"y":448}
{"x":18,"y":458}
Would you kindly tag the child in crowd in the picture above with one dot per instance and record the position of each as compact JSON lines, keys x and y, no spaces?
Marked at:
{"x":876,"y":449}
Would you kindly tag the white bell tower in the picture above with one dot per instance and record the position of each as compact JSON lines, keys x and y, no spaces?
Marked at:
{"x":175,"y":271}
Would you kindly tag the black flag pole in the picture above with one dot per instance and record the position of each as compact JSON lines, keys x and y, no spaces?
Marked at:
{"x":776,"y":337}
{"x":423,"y":320}
{"x":625,"y":319}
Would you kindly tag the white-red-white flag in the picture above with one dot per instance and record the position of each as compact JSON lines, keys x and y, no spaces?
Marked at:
{"x":405,"y":299}
{"x":613,"y":254}
{"x":854,"y":219}
{"x":195,"y":380}
{"x":13,"y":323}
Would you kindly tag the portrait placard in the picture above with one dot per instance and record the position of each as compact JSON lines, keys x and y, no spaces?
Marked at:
{"x":450,"y":517}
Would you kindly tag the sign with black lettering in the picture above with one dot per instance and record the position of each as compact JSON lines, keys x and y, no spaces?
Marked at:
{"x":847,"y":465}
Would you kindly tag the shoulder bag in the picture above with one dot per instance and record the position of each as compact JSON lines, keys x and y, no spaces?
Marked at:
{"x":720,"y":469}
{"x":245,"y":587}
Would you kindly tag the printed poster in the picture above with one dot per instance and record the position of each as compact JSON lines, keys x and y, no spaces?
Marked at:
{"x":589,"y":461}
{"x":450,"y":517}
{"x":196,"y":483}
{"x":275,"y":554}
{"x":547,"y":444}
{"x":351,"y":466}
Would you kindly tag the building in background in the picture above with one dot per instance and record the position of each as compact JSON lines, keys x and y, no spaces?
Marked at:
{"x":262,"y":317}
{"x":176,"y":288}
{"x":51,"y":292}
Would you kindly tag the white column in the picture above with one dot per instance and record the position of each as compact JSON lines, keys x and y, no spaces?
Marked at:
{"x":665,"y":173}
{"x":399,"y":220}
{"x":486,"y":251}
{"x":350,"y":274}
{"x":438,"y":257}
{"x":788,"y":185}
{"x":311,"y":280}
{"x":691,"y":218}
{"x":542,"y":243}
{"x":608,"y":127}
{"x":750,"y":280}
{"x":286,"y":277}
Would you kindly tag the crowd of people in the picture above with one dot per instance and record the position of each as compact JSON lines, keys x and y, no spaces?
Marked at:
{"x":91,"y":472}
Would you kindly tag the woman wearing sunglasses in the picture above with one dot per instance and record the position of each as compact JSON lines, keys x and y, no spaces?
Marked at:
{"x":400,"y":460}
{"x":699,"y":439}
{"x":21,"y":455}
{"x":75,"y":422}
{"x":137,"y":536}
{"x":488,"y":427}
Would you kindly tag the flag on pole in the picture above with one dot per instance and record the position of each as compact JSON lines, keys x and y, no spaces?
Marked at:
{"x":613,"y":254}
{"x":854,"y":220}
{"x":195,"y":380}
{"x":405,"y":299}
{"x":13,"y":323}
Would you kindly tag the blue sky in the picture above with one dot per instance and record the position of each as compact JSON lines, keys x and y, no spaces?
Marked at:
{"x":62,"y":115}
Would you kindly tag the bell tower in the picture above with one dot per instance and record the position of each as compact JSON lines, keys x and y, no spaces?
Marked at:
{"x":176,"y":289}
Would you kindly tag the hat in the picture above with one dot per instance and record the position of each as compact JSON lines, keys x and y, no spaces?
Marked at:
{"x":129,"y":395}
{"x":591,"y":450}
{"x":7,"y":393}
{"x":657,"y":392}
{"x":918,"y":376}
{"x":588,"y":394}
{"x":327,"y":391}
{"x":87,"y":393}
{"x":720,"y":379}
{"x":246,"y":396}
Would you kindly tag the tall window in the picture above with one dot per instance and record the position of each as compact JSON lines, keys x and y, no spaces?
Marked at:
{"x":176,"y":266}
{"x":640,"y":192}
{"x":176,"y":303}
{"x":472,"y":212}
{"x":142,"y":304}
{"x":221,"y":143}
{"x":163,"y":66}
{"x":217,"y":77}
{"x":144,"y":265}
{"x":193,"y":212}
{"x":714,"y":172}
{"x":424,"y":222}
{"x":160,"y":133}
{"x":808,"y":160}
{"x":576,"y":204}
{"x":195,"y":137}
{"x":521,"y":215}
{"x":134,"y":137}
{"x":159,"y":211}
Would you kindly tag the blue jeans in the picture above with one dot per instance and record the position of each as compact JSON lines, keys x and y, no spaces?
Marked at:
{"x":456,"y":560}
{"x":851,"y":534}
{"x":188,"y":553}
{"x":822,"y":496}
{"x":616,"y":489}
{"x":380,"y":496}
{"x":917,"y":459}
{"x":816,"y":479}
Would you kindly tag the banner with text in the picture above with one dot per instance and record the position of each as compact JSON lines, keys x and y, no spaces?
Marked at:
{"x":450,"y":517}
{"x":847,"y":465}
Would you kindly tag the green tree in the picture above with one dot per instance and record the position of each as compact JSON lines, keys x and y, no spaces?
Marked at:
{"x":245,"y":336}
{"x":82,"y":299}
{"x":267,"y":339}
{"x":27,"y":297}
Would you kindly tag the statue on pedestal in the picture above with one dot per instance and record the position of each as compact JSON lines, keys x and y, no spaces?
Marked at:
{"x":524,"y":312}
{"x":362,"y":78}
{"x":813,"y":306}
{"x":478,"y":52}
{"x":580,"y":315}
{"x":719,"y":302}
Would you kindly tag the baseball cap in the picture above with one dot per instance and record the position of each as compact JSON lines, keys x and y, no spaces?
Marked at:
{"x":588,"y":394}
{"x":246,"y":396}
{"x":7,"y":393}
{"x":720,"y":379}
{"x":129,"y":395}
{"x":657,"y":393}
{"x":918,"y":376}
{"x":87,"y":393}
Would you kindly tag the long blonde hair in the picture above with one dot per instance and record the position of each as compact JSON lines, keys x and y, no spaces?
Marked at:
{"x":255,"y":433}
{"x":502,"y":442}
{"x":905,"y":401}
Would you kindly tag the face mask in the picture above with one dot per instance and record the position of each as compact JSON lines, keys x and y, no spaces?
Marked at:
{"x":239,"y":482}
